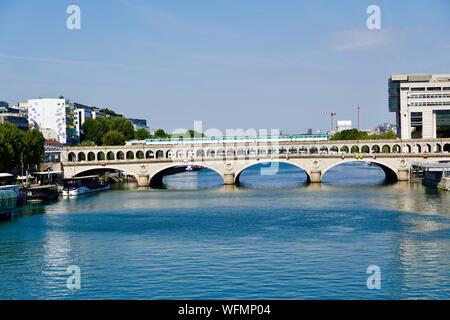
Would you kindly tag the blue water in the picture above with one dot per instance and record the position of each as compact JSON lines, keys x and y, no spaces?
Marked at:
{"x":272,"y":237}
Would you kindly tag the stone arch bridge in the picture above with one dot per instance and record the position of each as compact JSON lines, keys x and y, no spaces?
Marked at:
{"x":149,"y":162}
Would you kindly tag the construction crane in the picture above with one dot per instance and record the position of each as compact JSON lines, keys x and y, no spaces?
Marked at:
{"x":358,"y":116}
{"x":331,"y":115}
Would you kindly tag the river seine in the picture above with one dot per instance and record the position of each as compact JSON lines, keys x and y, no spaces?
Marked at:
{"x":273,"y":237}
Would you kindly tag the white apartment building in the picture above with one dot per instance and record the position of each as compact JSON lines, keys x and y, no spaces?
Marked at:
{"x":56,"y":115}
{"x":421,"y":104}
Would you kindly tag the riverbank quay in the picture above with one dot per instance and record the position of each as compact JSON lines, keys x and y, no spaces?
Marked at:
{"x":8,"y":201}
{"x":434,"y":175}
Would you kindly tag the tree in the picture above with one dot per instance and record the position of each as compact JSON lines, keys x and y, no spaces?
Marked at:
{"x":355,"y":134}
{"x":113,"y":138}
{"x":123,"y":126}
{"x":352,"y":134}
{"x":94,"y":130}
{"x":161,"y":134}
{"x":141,"y":134}
{"x":13,"y":137}
{"x":188,"y":134}
{"x":109,"y":112}
{"x":6,"y":152}
{"x":33,"y":142}
{"x":87,"y":143}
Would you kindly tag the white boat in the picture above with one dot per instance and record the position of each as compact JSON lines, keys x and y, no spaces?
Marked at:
{"x":83,"y":185}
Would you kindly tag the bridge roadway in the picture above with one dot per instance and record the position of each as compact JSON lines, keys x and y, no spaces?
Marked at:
{"x":150,"y":162}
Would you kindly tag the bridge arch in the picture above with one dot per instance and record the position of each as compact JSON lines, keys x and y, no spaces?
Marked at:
{"x":345,"y":149}
{"x":101,"y":156}
{"x":211,"y":153}
{"x":334,"y":149}
{"x":179,"y":154}
{"x":365,"y":149}
{"x":303,"y":150}
{"x":72,"y":157}
{"x":389,"y":171}
{"x":323,"y":149}
{"x":239,"y":172}
{"x":91,"y":156}
{"x":156,"y":178}
{"x":81,"y":156}
{"x":426,"y":148}
{"x":83,"y":170}
{"x":221,"y":153}
{"x":190,"y":153}
{"x":140,"y":155}
{"x":396,"y":148}
{"x":200,"y":153}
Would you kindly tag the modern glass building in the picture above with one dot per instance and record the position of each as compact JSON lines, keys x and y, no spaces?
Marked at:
{"x":421,"y":104}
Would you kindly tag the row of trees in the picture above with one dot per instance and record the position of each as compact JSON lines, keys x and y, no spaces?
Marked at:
{"x":18,"y":147}
{"x":355,"y":134}
{"x":107,"y":131}
{"x":115,"y":131}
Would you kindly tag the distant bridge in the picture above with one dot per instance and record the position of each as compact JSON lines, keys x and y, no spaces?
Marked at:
{"x":149,"y":163}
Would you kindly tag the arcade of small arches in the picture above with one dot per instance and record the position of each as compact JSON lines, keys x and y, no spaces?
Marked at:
{"x":245,"y":152}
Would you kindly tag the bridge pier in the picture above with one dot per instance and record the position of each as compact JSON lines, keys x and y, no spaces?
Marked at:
{"x":315,"y":176}
{"x":143,"y":180}
{"x":403,"y":175}
{"x":228,"y":179}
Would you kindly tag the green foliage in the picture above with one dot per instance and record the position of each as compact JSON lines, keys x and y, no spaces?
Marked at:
{"x":87,"y":143}
{"x":113,"y":138}
{"x":141,"y":134}
{"x":94,"y":130}
{"x":6,"y":152}
{"x":351,"y":134}
{"x":161,"y":134}
{"x":14,"y":136}
{"x":109,"y":112}
{"x":16,"y":145}
{"x":123,"y":126}
{"x":189,"y":134}
{"x":355,"y":134}
{"x":33,"y":142}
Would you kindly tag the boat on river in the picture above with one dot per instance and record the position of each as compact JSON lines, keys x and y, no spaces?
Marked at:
{"x":42,"y":193}
{"x":83,"y":185}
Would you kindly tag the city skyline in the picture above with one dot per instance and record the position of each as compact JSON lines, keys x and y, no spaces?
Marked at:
{"x":221,"y":63}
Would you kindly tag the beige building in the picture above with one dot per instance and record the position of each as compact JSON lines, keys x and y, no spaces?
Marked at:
{"x":421,"y":104}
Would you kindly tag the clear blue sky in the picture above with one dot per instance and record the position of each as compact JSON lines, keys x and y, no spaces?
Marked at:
{"x":232,"y":64}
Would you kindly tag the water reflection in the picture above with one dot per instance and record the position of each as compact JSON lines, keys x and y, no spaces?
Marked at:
{"x":271,"y":237}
